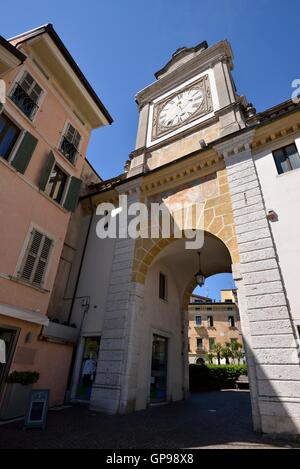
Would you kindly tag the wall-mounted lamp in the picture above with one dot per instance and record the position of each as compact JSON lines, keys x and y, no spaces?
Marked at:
{"x":199,"y":276}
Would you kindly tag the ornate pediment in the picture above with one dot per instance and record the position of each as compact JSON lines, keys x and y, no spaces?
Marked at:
{"x":180,"y":56}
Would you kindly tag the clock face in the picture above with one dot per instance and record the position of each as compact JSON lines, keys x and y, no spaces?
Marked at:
{"x":181,"y":107}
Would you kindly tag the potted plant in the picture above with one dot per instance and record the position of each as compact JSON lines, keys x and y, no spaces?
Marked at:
{"x":17,"y":393}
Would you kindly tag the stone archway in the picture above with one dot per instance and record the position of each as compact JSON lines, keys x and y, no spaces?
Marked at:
{"x":234,"y":213}
{"x":169,"y":319}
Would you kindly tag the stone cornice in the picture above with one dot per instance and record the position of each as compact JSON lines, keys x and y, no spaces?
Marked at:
{"x":166,"y":178}
{"x":233,"y":146}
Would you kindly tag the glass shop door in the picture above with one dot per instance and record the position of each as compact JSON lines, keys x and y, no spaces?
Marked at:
{"x":158,"y":380}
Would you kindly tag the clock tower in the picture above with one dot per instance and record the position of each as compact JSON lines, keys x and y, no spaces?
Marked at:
{"x":192,"y":103}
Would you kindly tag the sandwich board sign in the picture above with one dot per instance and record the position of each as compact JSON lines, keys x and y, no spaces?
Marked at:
{"x":37,"y":410}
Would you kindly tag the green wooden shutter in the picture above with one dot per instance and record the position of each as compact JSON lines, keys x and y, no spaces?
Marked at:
{"x":73,"y":194}
{"x":46,"y":171}
{"x":24,"y":152}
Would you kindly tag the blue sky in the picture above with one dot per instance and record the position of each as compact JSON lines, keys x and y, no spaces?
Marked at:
{"x":119,"y":44}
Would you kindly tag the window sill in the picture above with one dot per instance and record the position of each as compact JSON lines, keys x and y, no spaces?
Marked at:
{"x":162,"y":299}
{"x":27,"y":284}
{"x":53,"y":201}
{"x":288,"y":173}
{"x":72,"y":165}
{"x":22,"y":113}
{"x":9,"y":166}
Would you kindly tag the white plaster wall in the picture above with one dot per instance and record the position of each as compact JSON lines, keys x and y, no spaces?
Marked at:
{"x":281,"y":193}
{"x":94,"y":280}
{"x":162,"y":318}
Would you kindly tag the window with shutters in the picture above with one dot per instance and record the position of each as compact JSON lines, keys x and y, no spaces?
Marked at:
{"x":231,"y":321}
{"x":211,"y":342}
{"x":26,"y":95}
{"x":199,"y":343}
{"x":56,"y":184}
{"x":198,"y":320}
{"x":210,"y":321}
{"x":70,"y":142}
{"x":36,"y":258}
{"x":9,"y":134}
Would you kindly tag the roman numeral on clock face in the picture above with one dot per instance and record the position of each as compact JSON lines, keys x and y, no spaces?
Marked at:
{"x":180,"y":107}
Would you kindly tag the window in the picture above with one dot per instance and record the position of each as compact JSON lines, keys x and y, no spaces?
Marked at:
{"x":210,"y":321}
{"x":26,"y":95}
{"x":70,"y":143}
{"x":209,"y":308}
{"x":197,"y":308}
{"x":198,"y":320}
{"x":229,"y":308}
{"x":231,"y":321}
{"x":9,"y":133}
{"x":286,"y":158}
{"x":199,"y":343}
{"x":56,"y":184}
{"x":162,"y":286}
{"x":212,"y":342}
{"x":36,"y":258}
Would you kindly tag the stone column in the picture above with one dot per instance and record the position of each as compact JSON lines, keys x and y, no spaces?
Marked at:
{"x":266,"y":322}
{"x":114,"y":388}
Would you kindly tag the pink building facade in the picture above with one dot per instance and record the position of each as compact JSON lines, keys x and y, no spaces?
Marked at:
{"x":46,"y":120}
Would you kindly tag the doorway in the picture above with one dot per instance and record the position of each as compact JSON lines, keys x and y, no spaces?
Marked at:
{"x":158,"y":384}
{"x":88,"y":368}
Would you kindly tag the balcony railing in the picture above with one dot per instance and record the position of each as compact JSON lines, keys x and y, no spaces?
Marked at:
{"x":24,"y":102}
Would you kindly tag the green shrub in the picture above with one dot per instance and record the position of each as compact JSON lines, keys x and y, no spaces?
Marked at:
{"x":204,"y":377}
{"x":23,"y":377}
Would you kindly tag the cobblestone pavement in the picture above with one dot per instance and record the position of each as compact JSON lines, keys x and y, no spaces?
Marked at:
{"x":220,"y":419}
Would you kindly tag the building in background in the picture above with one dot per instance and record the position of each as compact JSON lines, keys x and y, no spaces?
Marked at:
{"x":45,"y":125}
{"x":212,"y":322}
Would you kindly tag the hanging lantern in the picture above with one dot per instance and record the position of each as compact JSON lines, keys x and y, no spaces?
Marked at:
{"x":200,"y":278}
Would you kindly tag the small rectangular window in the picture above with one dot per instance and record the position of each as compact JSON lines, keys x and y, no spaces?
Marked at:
{"x":212,"y":342}
{"x":36,"y":258}
{"x":231,"y":321}
{"x":70,"y":143}
{"x":210,"y":321}
{"x":26,"y":95}
{"x":286,"y":158}
{"x":199,"y":343}
{"x":162,"y":286}
{"x":9,"y":134}
{"x":56,"y":184}
{"x":198,"y":320}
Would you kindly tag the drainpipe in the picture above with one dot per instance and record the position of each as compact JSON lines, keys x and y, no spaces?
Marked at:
{"x":71,"y":371}
{"x":81,"y":262}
